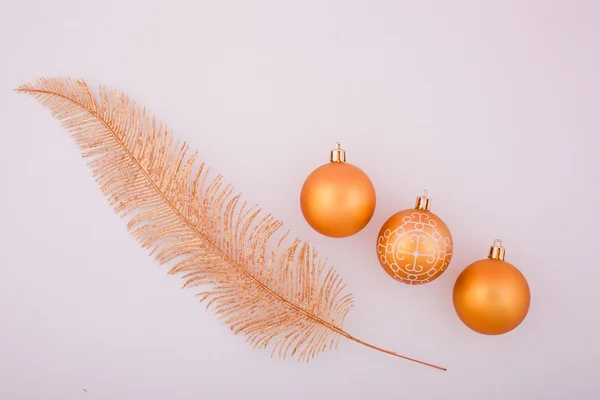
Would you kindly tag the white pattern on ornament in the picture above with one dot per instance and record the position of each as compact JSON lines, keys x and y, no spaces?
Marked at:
{"x":417,"y":249}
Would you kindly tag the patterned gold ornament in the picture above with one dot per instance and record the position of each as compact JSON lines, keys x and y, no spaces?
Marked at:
{"x":275,"y":294}
{"x":414,"y":246}
{"x":338,"y":198}
{"x":491,"y":296}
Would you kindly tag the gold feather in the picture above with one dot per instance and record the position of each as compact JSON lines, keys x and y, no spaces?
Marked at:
{"x":282,"y":297}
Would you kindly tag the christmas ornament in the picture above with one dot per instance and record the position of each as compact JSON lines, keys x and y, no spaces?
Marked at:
{"x":268,"y":291}
{"x":337,"y":199}
{"x":414,"y":246}
{"x":491,"y":296}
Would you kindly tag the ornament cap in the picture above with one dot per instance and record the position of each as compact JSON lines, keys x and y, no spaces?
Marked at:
{"x":337,"y":154}
{"x":497,"y":250}
{"x":423,"y":202}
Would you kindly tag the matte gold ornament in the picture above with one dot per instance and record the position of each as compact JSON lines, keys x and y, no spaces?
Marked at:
{"x":337,"y":199}
{"x":491,"y":296}
{"x":414,"y":246}
{"x":284,"y":297}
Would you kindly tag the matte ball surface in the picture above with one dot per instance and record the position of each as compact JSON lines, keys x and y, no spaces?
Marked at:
{"x":338,"y":199}
{"x":491,"y":296}
{"x":414,"y":246}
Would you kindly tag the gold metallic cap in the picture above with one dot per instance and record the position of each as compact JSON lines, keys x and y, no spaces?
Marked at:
{"x":423,"y":202}
{"x":497,"y":250}
{"x":337,"y":154}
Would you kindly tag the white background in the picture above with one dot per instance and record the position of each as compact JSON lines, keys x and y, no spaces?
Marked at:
{"x":492,"y":106}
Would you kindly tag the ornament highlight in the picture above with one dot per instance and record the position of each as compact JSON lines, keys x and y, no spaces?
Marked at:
{"x":414,"y":246}
{"x":337,"y":199}
{"x":491,"y":296}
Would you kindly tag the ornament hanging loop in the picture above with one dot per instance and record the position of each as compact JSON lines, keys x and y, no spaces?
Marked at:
{"x":423,"y":202}
{"x":337,"y":154}
{"x":497,"y":250}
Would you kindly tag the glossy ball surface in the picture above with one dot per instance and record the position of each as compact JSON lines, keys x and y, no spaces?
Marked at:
{"x":337,"y":199}
{"x":491,"y":297}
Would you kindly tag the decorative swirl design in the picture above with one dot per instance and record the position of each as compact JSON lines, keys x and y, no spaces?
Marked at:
{"x":416,"y":249}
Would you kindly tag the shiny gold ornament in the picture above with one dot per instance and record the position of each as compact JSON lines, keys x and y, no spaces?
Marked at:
{"x":491,"y":296}
{"x":337,"y":199}
{"x":283,"y":297}
{"x":414,"y":246}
